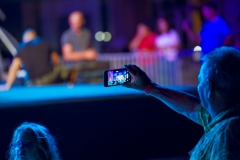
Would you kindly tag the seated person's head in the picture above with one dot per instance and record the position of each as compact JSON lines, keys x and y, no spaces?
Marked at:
{"x":32,"y":141}
{"x":76,"y":20}
{"x":28,"y":35}
{"x":163,"y":25}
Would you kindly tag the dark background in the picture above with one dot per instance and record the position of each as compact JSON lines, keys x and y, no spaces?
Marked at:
{"x":139,"y":127}
{"x":119,"y":17}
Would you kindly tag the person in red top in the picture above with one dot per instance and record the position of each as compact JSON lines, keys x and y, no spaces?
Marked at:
{"x":143,"y":41}
{"x":143,"y":44}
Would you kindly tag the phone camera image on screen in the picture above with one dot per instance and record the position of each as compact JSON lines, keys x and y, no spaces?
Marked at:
{"x":116,"y":77}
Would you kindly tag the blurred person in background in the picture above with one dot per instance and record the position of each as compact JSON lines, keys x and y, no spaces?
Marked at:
{"x":143,"y":41}
{"x":32,"y":141}
{"x":40,"y":61}
{"x":143,"y":45}
{"x":215,"y":31}
{"x":167,"y":41}
{"x":76,"y":41}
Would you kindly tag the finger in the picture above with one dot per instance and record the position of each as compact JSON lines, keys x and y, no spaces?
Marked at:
{"x":131,"y":70}
{"x":137,"y":68}
{"x":128,"y":65}
{"x":132,"y":79}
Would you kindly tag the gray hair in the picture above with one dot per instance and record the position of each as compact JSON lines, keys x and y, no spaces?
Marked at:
{"x":223,"y":66}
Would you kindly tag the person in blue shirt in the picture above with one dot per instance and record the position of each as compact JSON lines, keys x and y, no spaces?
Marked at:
{"x":215,"y":31}
{"x":40,"y":61}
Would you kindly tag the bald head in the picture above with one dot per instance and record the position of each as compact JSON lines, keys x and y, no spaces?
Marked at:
{"x":28,"y":35}
{"x":76,"y":21}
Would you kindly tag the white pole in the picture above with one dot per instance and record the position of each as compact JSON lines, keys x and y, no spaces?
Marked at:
{"x":8,"y":43}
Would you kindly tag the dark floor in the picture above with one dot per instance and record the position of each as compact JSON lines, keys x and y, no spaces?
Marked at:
{"x":92,"y":122}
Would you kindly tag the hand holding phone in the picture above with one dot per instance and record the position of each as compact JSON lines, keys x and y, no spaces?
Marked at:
{"x":140,"y":78}
{"x":116,"y":77}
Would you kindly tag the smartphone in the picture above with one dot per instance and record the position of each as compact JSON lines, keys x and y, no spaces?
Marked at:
{"x":116,"y":77}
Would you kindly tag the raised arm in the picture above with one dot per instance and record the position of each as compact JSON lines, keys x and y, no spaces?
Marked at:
{"x":180,"y":102}
{"x":11,"y":74}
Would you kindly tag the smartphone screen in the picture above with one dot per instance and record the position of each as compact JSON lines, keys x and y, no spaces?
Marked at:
{"x":116,"y":77}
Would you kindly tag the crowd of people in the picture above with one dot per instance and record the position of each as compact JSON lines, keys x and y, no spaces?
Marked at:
{"x":166,"y":43}
{"x":45,"y":67}
{"x":215,"y":32}
{"x":217,"y":110}
{"x":43,"y":64}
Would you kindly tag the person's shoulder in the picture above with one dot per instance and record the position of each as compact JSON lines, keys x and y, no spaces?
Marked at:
{"x":21,"y":46}
{"x":41,"y":44}
{"x":221,"y":21}
{"x":227,"y":139}
{"x":66,"y":32}
{"x":23,"y":49}
{"x":233,"y":121}
{"x":65,"y":36}
{"x":39,"y":41}
{"x":230,"y":125}
{"x":206,"y":23}
{"x":220,"y":18}
{"x":173,"y":32}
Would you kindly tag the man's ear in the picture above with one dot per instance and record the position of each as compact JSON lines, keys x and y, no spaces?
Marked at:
{"x":210,"y":89}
